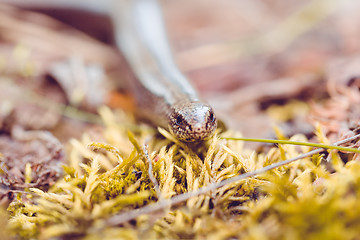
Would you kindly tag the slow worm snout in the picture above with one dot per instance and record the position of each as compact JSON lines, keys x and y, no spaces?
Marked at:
{"x":192,"y":121}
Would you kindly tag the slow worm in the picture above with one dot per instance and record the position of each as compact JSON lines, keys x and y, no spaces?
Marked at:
{"x":163,"y":94}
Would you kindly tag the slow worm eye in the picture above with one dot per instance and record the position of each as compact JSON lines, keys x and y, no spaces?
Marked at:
{"x":179,"y":120}
{"x":212,"y":117}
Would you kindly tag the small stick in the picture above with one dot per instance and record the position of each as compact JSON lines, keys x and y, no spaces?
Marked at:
{"x":150,"y":171}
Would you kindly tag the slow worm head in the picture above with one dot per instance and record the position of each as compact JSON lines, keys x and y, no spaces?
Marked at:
{"x":192,"y":121}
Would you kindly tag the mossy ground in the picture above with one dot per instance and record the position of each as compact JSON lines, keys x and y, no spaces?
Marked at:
{"x":307,"y":199}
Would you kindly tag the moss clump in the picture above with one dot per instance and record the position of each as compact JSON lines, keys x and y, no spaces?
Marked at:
{"x":300,"y":200}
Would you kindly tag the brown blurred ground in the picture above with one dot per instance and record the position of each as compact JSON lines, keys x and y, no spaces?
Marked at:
{"x":243,"y":56}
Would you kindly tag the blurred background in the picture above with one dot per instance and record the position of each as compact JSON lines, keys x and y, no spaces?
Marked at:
{"x":260,"y":63}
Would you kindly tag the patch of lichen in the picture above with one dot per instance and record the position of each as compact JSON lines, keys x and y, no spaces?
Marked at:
{"x":300,"y":200}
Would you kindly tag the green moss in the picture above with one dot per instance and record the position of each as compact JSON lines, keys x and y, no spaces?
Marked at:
{"x":300,"y":200}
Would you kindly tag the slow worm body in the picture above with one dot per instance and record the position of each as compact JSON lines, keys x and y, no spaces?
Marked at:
{"x":163,"y":94}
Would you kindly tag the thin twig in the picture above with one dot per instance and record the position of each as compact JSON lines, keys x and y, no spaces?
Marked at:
{"x":166,"y":203}
{"x":150,"y":171}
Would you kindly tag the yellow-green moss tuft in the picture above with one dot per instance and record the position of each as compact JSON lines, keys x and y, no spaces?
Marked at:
{"x":304,"y":199}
